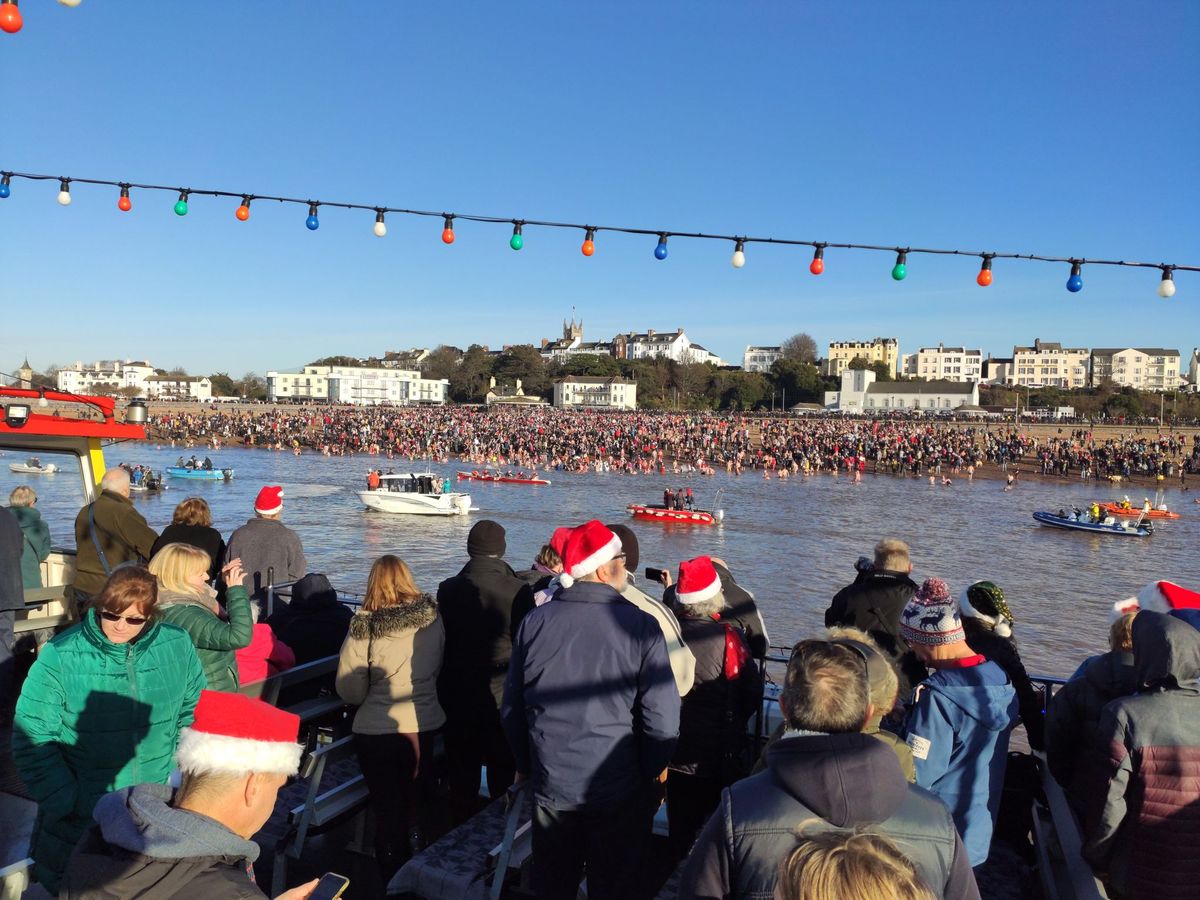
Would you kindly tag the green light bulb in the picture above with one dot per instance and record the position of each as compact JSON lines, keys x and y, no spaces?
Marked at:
{"x":181,"y":204}
{"x":517,"y":242}
{"x":899,"y":271}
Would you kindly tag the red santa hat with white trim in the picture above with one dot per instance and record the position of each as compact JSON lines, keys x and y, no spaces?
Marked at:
{"x":589,"y":547}
{"x":232,"y":734}
{"x":1158,"y":596}
{"x":698,"y":581}
{"x":269,"y":500}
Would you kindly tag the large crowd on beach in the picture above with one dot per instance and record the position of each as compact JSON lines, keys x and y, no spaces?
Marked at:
{"x":654,"y":442}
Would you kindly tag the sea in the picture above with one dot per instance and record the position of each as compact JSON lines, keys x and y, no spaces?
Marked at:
{"x":792,"y":543}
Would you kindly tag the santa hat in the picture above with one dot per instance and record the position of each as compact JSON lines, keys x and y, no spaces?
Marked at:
{"x":1158,"y":596}
{"x":558,"y":541}
{"x":590,"y":546}
{"x":985,"y":601}
{"x":931,"y":616}
{"x":232,"y":734}
{"x":698,"y":581}
{"x":269,"y":500}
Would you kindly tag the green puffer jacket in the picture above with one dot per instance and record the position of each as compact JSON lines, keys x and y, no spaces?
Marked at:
{"x":215,"y":639}
{"x":94,"y":717}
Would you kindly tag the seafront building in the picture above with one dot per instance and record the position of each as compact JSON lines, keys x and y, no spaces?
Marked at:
{"x":760,"y":359}
{"x":860,"y":392}
{"x":595,"y":393}
{"x":841,"y":353}
{"x":357,"y":385}
{"x":944,"y":363}
{"x":105,"y":376}
{"x":648,"y":344}
{"x":1144,"y":368}
{"x":1049,"y":364}
{"x":179,"y":387}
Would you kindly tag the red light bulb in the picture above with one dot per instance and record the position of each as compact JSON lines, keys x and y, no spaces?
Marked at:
{"x":817,"y":266}
{"x":124,"y":204}
{"x":243,"y":211}
{"x":589,"y":245}
{"x":448,"y":231}
{"x":10,"y":16}
{"x":984,"y":278}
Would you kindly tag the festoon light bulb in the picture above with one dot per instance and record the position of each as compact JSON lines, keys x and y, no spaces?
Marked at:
{"x":1166,"y":287}
{"x":124,"y":204}
{"x":64,"y":192}
{"x":5,"y":190}
{"x":588,"y":247}
{"x":1075,"y":282}
{"x":516,"y":242}
{"x":900,"y":269}
{"x":181,"y":205}
{"x":739,"y":254}
{"x":380,"y":228}
{"x":447,"y":229}
{"x":660,"y":252}
{"x":312,"y":223}
{"x":817,"y":266}
{"x":242,"y":213}
{"x":10,"y":17}
{"x":984,"y":278}
{"x":71,"y":3}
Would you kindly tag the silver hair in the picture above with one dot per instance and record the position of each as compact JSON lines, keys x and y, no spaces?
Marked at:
{"x":702,"y":610}
{"x":115,"y":480}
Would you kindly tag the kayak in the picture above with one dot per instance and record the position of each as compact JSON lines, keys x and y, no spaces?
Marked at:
{"x":659,"y":513}
{"x":1121,"y":529}
{"x":206,"y":474}
{"x":1116,"y":509}
{"x":500,"y":479}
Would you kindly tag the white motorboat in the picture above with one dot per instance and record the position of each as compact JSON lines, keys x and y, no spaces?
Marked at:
{"x":33,"y":466}
{"x":415,"y":493}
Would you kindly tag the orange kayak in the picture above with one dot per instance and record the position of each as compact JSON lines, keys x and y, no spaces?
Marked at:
{"x":1116,"y":509}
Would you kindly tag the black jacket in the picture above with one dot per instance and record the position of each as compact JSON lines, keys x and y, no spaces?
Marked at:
{"x":202,"y":537}
{"x":481,"y":608}
{"x":830,"y":781}
{"x":1003,"y":652}
{"x":713,"y":715}
{"x":740,"y":611}
{"x":1073,"y":719}
{"x":12,"y":543}
{"x":314,"y":623}
{"x":874,"y":603}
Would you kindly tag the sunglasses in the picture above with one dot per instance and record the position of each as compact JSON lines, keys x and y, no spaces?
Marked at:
{"x":129,"y":620}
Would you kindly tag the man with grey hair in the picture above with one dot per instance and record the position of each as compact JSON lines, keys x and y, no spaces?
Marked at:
{"x":825,"y":773}
{"x":108,"y":532}
{"x":874,"y":603}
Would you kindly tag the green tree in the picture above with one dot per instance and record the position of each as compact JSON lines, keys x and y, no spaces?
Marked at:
{"x":441,"y":363}
{"x":252,"y":386}
{"x":469,"y":383}
{"x":882,"y":371}
{"x":741,"y":390}
{"x":800,"y":382}
{"x":223,"y":385}
{"x":352,"y":361}
{"x":524,"y":362}
{"x":594,"y":365}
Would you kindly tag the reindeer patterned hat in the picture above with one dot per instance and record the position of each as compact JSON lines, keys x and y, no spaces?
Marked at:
{"x":932,"y":616}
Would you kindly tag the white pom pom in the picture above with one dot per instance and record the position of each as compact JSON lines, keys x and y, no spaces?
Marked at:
{"x":565,"y":580}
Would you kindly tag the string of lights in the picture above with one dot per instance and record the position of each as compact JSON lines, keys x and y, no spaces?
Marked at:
{"x":1166,"y":286}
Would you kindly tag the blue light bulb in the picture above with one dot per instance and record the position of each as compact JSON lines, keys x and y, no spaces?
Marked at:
{"x":5,"y":190}
{"x":660,"y":252}
{"x":1075,"y":282}
{"x":312,"y":223}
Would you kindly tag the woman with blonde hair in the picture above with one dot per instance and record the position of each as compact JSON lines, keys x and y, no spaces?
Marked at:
{"x":36,"y":545}
{"x":186,"y":600}
{"x":389,"y":668}
{"x":836,"y":865}
{"x":101,"y":710}
{"x":192,"y":524}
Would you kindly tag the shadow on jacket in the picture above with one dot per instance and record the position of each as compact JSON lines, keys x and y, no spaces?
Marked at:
{"x":1143,"y":821}
{"x":1073,"y":720}
{"x":874,"y":603}
{"x":313,"y":624}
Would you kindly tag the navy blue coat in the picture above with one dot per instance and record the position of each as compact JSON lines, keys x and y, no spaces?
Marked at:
{"x":590,"y":705}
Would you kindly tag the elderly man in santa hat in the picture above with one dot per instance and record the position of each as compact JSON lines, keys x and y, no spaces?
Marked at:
{"x":265,"y":543}
{"x":592,"y":713}
{"x":155,"y":843}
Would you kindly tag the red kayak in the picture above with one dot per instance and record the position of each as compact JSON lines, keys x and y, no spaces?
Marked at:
{"x":659,"y":513}
{"x":502,"y":479}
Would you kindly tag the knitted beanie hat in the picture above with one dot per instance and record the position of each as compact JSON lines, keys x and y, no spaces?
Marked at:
{"x":932,"y":616}
{"x":486,"y":538}
{"x":985,"y":602}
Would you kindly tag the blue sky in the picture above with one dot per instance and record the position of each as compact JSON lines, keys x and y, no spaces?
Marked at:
{"x":1064,"y":128}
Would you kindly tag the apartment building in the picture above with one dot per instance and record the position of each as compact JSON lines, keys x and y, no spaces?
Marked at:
{"x":1050,"y":364}
{"x":1144,"y":368}
{"x":885,"y":350}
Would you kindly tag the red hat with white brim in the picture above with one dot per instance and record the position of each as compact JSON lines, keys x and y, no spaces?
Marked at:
{"x":232,"y":734}
{"x":589,"y":547}
{"x":269,"y":500}
{"x":698,"y":581}
{"x":1158,"y":596}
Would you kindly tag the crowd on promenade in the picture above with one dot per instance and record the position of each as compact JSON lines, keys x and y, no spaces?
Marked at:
{"x":607,"y":695}
{"x":651,"y":442}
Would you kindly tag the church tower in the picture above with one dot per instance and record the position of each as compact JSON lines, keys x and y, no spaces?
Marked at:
{"x":25,"y":375}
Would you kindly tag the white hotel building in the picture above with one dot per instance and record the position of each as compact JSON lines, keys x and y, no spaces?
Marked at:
{"x":944,"y":363}
{"x":358,"y":385}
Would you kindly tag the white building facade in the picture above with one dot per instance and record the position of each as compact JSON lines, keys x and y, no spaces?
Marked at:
{"x":1144,"y":368}
{"x":357,"y":385}
{"x":861,"y":393}
{"x":179,"y":387}
{"x":1049,"y":364}
{"x":944,"y":363}
{"x":596,"y":393}
{"x":82,"y":378}
{"x":760,"y":359}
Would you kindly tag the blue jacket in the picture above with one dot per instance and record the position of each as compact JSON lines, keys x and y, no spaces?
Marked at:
{"x":590,"y":706}
{"x":958,"y":727}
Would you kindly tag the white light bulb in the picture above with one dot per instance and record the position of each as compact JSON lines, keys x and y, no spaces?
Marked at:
{"x":738,"y":259}
{"x":64,"y":198}
{"x":42,"y":401}
{"x":70,"y":3}
{"x":380,"y":229}
{"x":1166,"y":289}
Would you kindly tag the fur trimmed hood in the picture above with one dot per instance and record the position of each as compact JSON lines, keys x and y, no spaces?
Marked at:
{"x":413,"y":616}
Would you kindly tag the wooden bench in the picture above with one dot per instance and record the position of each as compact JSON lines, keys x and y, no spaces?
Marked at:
{"x":45,"y":608}
{"x":324,"y":806}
